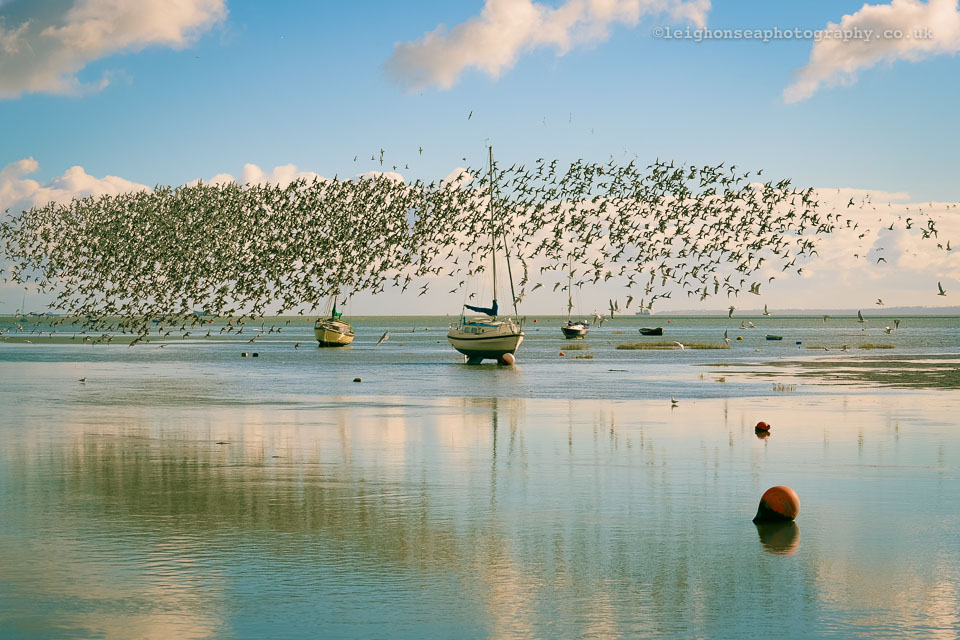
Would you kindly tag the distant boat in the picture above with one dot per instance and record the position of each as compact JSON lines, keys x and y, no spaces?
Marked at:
{"x":651,"y":332}
{"x":772,"y":337}
{"x":643,"y":312}
{"x":573,"y":329}
{"x":332,"y":331}
{"x":487,"y":338}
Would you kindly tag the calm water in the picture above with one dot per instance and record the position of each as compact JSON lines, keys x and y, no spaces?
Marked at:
{"x":186,"y":491}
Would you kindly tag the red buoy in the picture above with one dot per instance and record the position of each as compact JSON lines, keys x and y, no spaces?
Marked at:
{"x":778,"y":504}
{"x":762,"y":426}
{"x":562,"y":353}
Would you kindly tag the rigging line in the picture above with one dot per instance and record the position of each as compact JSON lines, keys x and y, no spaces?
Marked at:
{"x":503,"y":237}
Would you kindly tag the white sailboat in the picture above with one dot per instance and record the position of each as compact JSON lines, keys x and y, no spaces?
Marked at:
{"x":573,"y":329}
{"x":487,"y":337}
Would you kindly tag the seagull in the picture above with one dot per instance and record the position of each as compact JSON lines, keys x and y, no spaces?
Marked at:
{"x":879,"y":302}
{"x":682,"y":348}
{"x":896,"y":323}
{"x":730,"y":313}
{"x":383,"y":338}
{"x":83,"y":380}
{"x":942,"y":292}
{"x":860,"y":316}
{"x":726,"y":337}
{"x":766,"y":312}
{"x":673,"y":401}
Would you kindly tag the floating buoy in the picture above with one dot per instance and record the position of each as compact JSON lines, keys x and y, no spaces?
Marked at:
{"x":562,"y":353}
{"x":256,"y":355}
{"x":778,"y":504}
{"x":762,"y":426}
{"x":739,"y":337}
{"x":357,"y":380}
{"x":534,"y":319}
{"x":508,"y":359}
{"x":244,"y":354}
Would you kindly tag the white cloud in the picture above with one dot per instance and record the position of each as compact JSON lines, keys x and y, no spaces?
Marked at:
{"x":17,"y":192}
{"x":281,"y":175}
{"x":44,"y":52}
{"x":928,"y":29}
{"x":393,"y":176}
{"x":492,"y":41}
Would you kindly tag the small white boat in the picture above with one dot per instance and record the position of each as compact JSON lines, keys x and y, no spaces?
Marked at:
{"x":485,"y":338}
{"x":573,"y":329}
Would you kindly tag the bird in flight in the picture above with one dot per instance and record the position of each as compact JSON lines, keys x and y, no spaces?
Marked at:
{"x":383,"y":338}
{"x":682,"y":348}
{"x":942,"y":292}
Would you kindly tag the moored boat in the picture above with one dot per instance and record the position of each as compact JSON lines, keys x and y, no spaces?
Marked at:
{"x":332,"y":331}
{"x":487,"y":337}
{"x":573,"y":329}
{"x":772,"y":337}
{"x":646,"y":331}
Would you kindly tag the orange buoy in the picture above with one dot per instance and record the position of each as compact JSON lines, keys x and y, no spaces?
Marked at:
{"x":508,"y":359}
{"x":778,"y":504}
{"x":762,"y":426}
{"x":562,"y":353}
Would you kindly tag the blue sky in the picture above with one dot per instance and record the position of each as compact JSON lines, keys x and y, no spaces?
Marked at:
{"x":304,"y":83}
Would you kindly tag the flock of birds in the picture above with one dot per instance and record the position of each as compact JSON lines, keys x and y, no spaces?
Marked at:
{"x":129,"y":261}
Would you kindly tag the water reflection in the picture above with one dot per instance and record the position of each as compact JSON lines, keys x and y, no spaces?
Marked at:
{"x":782,"y":538}
{"x":454,"y":517}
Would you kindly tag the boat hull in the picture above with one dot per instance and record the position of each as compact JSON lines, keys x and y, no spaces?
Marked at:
{"x":574,"y":332}
{"x":652,"y":332}
{"x":480,"y":347}
{"x":333,"y":334}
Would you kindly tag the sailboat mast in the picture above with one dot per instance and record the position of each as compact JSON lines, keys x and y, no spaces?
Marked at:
{"x":493,"y":241}
{"x":569,"y":289}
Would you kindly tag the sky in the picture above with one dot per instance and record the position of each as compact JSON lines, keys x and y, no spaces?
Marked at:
{"x":104,"y":96}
